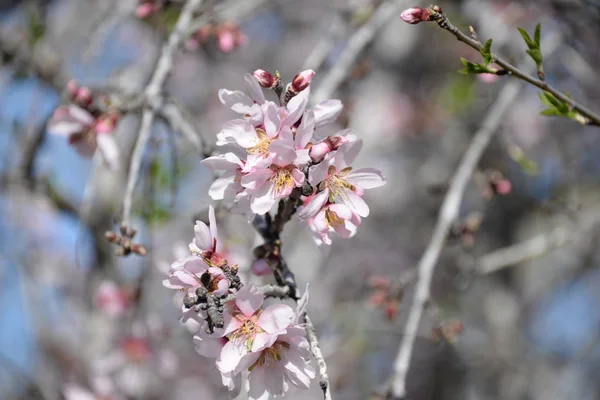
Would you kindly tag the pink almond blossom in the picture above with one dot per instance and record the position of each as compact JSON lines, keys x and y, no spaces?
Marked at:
{"x":339,"y":183}
{"x":336,"y":218}
{"x":86,"y":133}
{"x":250,"y":329}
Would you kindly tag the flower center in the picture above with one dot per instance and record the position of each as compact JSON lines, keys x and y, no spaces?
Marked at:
{"x":337,"y":184}
{"x":270,"y":355}
{"x":244,"y":335}
{"x":332,"y":218}
{"x":282,"y":179}
{"x":262,"y":147}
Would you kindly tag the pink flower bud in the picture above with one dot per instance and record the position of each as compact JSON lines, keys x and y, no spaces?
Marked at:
{"x":226,"y":41}
{"x":503,"y":187}
{"x":145,"y":10}
{"x":84,"y":96}
{"x":319,"y":151}
{"x":302,"y":80}
{"x":106,"y":123}
{"x":265,"y":78}
{"x":414,"y":15}
{"x":72,"y":88}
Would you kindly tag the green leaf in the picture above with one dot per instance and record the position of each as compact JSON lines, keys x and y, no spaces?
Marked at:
{"x":526,"y":38}
{"x":536,"y":55}
{"x":471,"y":68}
{"x":537,"y":35}
{"x":486,"y":52}
{"x":551,"y":112}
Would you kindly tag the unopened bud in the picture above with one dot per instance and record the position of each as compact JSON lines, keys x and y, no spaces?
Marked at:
{"x":72,"y":88}
{"x":145,"y":10}
{"x":131,"y":232}
{"x":112,"y":236}
{"x":265,"y":78}
{"x":302,"y":80}
{"x":84,"y":96}
{"x":139,"y":249}
{"x":414,"y":15}
{"x":261,"y":267}
{"x":319,"y":151}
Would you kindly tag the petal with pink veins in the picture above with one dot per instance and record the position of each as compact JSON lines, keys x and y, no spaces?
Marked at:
{"x":241,"y":131}
{"x":263,"y":199}
{"x":314,"y":205}
{"x":238,"y":101}
{"x":202,"y":237}
{"x":355,"y":202}
{"x":230,"y":356}
{"x":327,"y":112}
{"x":296,"y":107}
{"x":256,"y":179}
{"x":272,"y":122}
{"x":255,"y":90}
{"x":220,"y":185}
{"x":249,"y":299}
{"x":276,"y":317}
{"x":305,"y":130}
{"x":366,"y":178}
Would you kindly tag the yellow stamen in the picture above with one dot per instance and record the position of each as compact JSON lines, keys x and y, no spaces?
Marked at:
{"x":262,"y":148}
{"x":282,"y":179}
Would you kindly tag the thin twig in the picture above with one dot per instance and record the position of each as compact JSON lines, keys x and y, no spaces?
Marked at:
{"x":154,"y":99}
{"x":443,"y":22}
{"x":231,"y":10}
{"x":320,"y":52}
{"x":517,"y":253}
{"x":311,"y":333}
{"x":177,"y":119}
{"x":357,"y":42}
{"x":448,"y":213}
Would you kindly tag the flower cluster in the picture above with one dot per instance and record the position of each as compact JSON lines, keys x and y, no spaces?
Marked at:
{"x":86,"y":126}
{"x":266,"y":343}
{"x":274,"y":149}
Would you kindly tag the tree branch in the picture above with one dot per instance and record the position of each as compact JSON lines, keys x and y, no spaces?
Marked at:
{"x":443,"y":21}
{"x":154,"y":99}
{"x":448,"y":213}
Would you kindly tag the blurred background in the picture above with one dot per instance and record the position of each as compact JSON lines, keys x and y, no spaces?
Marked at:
{"x":77,"y":321}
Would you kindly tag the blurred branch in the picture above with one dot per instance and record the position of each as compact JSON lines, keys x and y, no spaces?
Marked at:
{"x":154,"y":99}
{"x":231,"y":10}
{"x":357,"y":42}
{"x":448,"y":213}
{"x":317,"y":57}
{"x":14,"y":48}
{"x":311,"y":333}
{"x":517,"y":253}
{"x":591,"y":117}
{"x":179,"y":121}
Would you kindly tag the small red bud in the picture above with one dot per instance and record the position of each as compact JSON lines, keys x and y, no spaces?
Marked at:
{"x":503,"y":187}
{"x":72,"y":88}
{"x":414,"y":15}
{"x":265,"y":78}
{"x":302,"y":80}
{"x":112,"y":236}
{"x":84,"y":96}
{"x":139,"y":249}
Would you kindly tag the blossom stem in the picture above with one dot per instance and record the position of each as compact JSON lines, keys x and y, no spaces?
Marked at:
{"x":311,"y":333}
{"x":286,"y":281}
{"x":443,"y":21}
